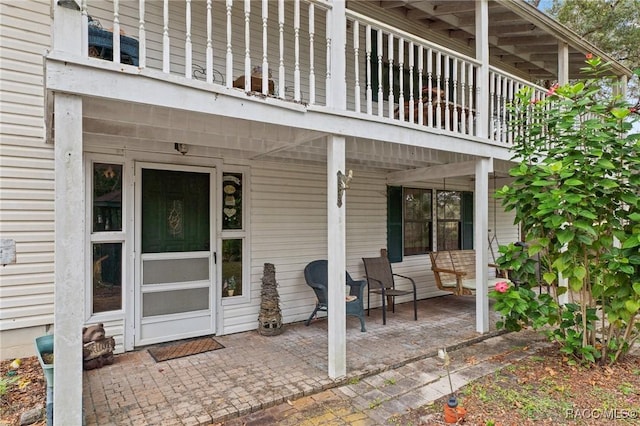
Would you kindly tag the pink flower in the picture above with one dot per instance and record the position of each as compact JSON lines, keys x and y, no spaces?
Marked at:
{"x":553,"y":89}
{"x":502,"y":287}
{"x":589,"y":55}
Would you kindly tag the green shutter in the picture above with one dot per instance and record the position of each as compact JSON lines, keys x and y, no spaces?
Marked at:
{"x":394,"y":223}
{"x":467,"y":220}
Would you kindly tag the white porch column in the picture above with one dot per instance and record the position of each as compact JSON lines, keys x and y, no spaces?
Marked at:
{"x":482,"y":55}
{"x":563,"y":63}
{"x":336,"y":253}
{"x":69,"y":260}
{"x":483,"y":167}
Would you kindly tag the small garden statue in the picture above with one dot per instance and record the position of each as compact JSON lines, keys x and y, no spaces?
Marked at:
{"x":97,"y":349}
{"x":270,"y":317}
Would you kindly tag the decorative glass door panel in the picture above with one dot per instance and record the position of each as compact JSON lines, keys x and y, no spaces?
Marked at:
{"x":175,"y":283}
{"x":175,"y":211}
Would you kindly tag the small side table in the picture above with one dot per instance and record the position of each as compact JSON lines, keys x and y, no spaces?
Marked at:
{"x":256,"y":84}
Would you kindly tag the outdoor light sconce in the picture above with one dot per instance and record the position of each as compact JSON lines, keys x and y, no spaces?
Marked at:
{"x":182,"y":148}
{"x":343,"y":184}
{"x":69,"y":4}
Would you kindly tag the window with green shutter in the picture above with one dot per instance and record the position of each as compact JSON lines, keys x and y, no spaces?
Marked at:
{"x":410,"y":221}
{"x":467,"y":220}
{"x":394,"y":223}
{"x":418,"y":220}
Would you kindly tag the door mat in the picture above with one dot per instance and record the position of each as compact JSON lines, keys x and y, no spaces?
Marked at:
{"x":184,"y":348}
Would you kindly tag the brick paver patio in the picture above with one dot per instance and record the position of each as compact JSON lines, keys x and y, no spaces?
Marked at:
{"x":254,"y":372}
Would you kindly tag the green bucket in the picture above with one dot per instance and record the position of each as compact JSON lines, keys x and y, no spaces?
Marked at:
{"x":44,"y":344}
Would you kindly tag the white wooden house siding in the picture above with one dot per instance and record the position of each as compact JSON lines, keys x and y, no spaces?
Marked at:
{"x":289,"y":230}
{"x":288,"y":216}
{"x":26,"y":176}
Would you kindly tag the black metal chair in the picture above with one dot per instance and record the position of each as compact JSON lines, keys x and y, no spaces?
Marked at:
{"x":380,"y":278}
{"x":315,"y":274}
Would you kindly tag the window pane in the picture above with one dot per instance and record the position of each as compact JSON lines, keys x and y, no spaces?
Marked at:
{"x":175,"y":301}
{"x":417,"y":221}
{"x":448,"y":235}
{"x":107,"y":197}
{"x":417,"y":238}
{"x":449,"y":204}
{"x":107,"y":277}
{"x":232,"y":267}
{"x":417,"y":203}
{"x":175,"y":270}
{"x":232,"y":201}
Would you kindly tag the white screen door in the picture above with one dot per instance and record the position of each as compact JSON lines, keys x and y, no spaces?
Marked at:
{"x":175,"y":283}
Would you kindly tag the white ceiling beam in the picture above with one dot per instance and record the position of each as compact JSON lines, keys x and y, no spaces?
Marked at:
{"x":443,"y":171}
{"x":392,"y":4}
{"x":300,"y":140}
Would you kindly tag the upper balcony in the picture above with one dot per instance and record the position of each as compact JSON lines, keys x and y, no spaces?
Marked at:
{"x":406,"y":63}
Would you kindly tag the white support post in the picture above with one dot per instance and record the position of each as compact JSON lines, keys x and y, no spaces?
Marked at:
{"x":142,"y":36}
{"x":266,"y":72}
{"x":116,"y":31}
{"x":336,"y":255}
{"x":281,"y":76}
{"x":67,"y":30}
{"x":188,"y":48}
{"x":356,"y":53}
{"x":337,"y":71}
{"x":563,"y":63}
{"x":229,"y":49}
{"x":368,"y":62}
{"x":482,"y":55}
{"x":166,"y":42}
{"x":247,"y":46}
{"x":296,"y":51}
{"x":69,"y":260}
{"x":481,"y":244}
{"x":312,"y":67}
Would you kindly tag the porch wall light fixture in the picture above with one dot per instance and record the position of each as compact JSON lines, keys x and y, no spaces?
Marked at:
{"x":182,"y":148}
{"x":69,"y":4}
{"x":343,"y":184}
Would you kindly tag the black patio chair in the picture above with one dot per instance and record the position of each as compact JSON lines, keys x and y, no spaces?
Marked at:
{"x":380,"y":278}
{"x":315,"y":274}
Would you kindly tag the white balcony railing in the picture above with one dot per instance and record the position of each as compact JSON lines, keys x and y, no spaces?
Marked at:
{"x":394,"y":74}
{"x":390,"y":74}
{"x":502,"y":90}
{"x":222,"y":42}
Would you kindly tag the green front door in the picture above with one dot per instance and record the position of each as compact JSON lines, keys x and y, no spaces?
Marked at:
{"x":176,"y":271}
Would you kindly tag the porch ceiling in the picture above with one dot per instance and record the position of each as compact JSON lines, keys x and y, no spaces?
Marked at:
{"x":520,"y":36}
{"x":137,"y":127}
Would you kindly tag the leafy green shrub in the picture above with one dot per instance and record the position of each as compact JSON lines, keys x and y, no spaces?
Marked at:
{"x":576,"y":193}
